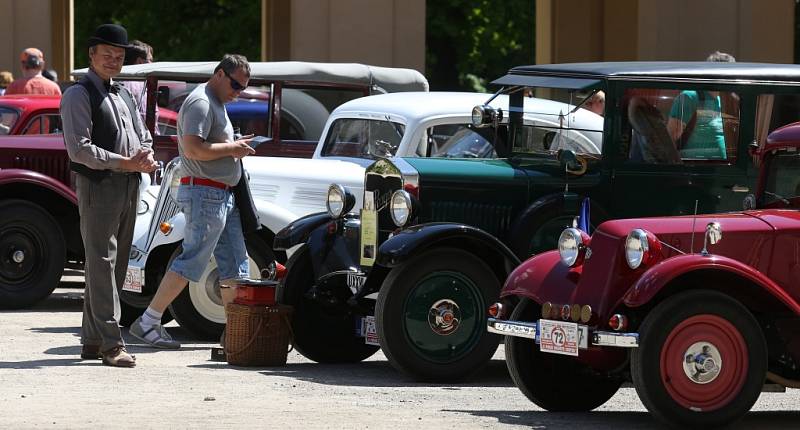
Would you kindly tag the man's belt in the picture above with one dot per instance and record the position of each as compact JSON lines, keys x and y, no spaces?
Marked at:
{"x":191,"y":180}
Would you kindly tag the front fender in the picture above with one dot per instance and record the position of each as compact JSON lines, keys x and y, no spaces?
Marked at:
{"x":414,"y":240}
{"x":297,"y":231}
{"x":272,"y":216}
{"x":657,"y":277}
{"x":542,"y":278}
{"x":16,"y":176}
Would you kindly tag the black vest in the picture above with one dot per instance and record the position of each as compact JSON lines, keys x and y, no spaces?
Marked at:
{"x":104,"y":130}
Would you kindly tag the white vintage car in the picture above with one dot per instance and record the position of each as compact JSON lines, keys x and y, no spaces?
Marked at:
{"x":410,"y":124}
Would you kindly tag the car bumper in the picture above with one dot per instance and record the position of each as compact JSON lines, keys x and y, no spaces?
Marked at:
{"x":587,"y":336}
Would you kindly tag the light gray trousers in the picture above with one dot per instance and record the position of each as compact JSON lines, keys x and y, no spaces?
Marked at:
{"x":108,"y":213}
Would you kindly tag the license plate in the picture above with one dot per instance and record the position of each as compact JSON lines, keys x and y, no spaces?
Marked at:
{"x":369,"y":331}
{"x":558,"y":337}
{"x":133,"y":280}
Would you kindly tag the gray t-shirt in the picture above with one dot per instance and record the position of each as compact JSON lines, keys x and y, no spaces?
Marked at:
{"x":202,"y":114}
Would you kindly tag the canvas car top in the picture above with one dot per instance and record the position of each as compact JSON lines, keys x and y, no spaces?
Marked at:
{"x":742,"y":73}
{"x":388,"y":78}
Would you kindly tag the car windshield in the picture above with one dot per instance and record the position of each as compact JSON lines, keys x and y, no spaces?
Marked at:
{"x":363,"y":138}
{"x":556,"y":119}
{"x":782,"y":187}
{"x":8,"y":117}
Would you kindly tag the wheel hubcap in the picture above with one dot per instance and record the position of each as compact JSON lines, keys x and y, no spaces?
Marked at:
{"x":206,"y":296}
{"x":702,"y":363}
{"x":691,"y":363}
{"x":444,"y":317}
{"x":21,"y":255}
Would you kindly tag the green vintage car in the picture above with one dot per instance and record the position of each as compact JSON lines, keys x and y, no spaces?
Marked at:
{"x":416,"y":268}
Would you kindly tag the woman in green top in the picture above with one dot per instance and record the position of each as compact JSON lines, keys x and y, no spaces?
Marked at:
{"x":695,"y":125}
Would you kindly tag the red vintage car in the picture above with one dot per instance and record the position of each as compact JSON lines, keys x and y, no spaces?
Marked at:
{"x":38,"y":114}
{"x":696,"y":311}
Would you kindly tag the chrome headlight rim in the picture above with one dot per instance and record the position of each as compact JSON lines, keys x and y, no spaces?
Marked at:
{"x":572,"y":246}
{"x":336,"y":201}
{"x":401,"y":205}
{"x":637,"y":248}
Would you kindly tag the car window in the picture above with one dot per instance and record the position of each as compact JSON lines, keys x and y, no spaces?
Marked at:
{"x":459,"y":141}
{"x":44,"y":124}
{"x":774,"y":111}
{"x":671,"y":126}
{"x":8,"y":117}
{"x":304,"y":111}
{"x":538,"y":136}
{"x":363,"y":138}
{"x":783,"y":179}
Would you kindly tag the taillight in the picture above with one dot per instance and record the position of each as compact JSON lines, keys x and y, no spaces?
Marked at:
{"x":495,"y":310}
{"x":618,"y":322}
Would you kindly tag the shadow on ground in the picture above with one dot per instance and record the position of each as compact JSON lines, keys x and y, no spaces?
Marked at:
{"x":613,"y":420}
{"x":371,"y":374}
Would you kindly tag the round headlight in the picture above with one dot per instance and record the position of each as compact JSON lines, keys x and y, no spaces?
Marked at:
{"x":337,"y":197}
{"x":571,"y":246}
{"x":637,"y":247}
{"x":478,"y":115}
{"x":400,"y":207}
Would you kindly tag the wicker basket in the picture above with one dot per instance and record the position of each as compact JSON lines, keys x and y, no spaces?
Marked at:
{"x":257,"y":335}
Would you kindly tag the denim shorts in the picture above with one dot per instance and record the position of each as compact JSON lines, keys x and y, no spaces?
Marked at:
{"x":213,"y":226}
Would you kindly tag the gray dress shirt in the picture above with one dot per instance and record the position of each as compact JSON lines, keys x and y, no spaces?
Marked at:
{"x":76,"y":117}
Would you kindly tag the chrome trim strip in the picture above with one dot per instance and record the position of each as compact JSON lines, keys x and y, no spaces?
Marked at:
{"x":621,"y":340}
{"x":527,"y":330}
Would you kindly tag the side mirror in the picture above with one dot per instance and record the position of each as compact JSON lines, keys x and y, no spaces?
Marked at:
{"x":162,"y":98}
{"x":713,"y":236}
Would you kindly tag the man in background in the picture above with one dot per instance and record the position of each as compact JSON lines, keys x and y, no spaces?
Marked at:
{"x":32,"y":81}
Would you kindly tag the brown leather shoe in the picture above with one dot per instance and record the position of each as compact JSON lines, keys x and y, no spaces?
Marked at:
{"x":91,"y":352}
{"x":118,"y":357}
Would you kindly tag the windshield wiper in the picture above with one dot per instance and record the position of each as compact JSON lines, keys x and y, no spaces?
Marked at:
{"x":781,"y":198}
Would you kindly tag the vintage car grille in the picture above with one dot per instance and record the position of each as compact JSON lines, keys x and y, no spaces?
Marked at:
{"x":494,"y":219}
{"x":55,"y":167}
{"x":382,"y":188}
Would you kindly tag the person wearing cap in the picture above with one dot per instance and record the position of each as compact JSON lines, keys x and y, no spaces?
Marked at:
{"x":109,"y":147}
{"x":6,"y":78}
{"x":32,"y":81}
{"x":210,"y":166}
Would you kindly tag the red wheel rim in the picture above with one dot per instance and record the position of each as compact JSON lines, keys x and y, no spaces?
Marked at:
{"x":731,"y":347}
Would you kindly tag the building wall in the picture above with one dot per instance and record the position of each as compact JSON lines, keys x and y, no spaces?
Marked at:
{"x":678,"y":30}
{"x":378,"y":32}
{"x":24,"y":24}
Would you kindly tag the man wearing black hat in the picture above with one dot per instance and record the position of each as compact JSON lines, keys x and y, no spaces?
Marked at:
{"x":108,"y":146}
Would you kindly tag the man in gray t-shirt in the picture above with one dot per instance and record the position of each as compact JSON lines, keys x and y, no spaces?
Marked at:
{"x":209,"y":168}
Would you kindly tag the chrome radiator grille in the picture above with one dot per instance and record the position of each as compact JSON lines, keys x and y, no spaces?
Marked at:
{"x":166,"y":205}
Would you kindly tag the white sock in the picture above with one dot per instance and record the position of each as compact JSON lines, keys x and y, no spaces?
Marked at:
{"x":151,"y":317}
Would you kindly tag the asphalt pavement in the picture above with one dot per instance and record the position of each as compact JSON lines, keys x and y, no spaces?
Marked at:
{"x":45,"y":384}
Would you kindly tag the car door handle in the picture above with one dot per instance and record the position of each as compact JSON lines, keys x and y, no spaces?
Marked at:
{"x":740,"y":189}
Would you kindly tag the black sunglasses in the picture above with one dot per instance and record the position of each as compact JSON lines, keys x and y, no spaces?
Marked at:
{"x":234,"y":83}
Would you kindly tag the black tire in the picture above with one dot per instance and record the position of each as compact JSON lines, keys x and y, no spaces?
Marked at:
{"x":32,"y":254}
{"x":706,"y":315}
{"x":554,"y":382}
{"x":197,"y":304}
{"x":415,"y":303}
{"x":321,"y":334}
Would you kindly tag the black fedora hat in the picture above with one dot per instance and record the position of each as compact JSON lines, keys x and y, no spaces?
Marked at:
{"x":110,"y":34}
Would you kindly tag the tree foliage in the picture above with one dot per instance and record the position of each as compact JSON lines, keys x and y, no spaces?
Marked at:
{"x":178,"y":30}
{"x":472,"y":42}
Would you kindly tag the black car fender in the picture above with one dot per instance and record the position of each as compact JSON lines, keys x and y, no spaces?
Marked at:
{"x":542,"y":210}
{"x":423,"y":237}
{"x":298,"y":231}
